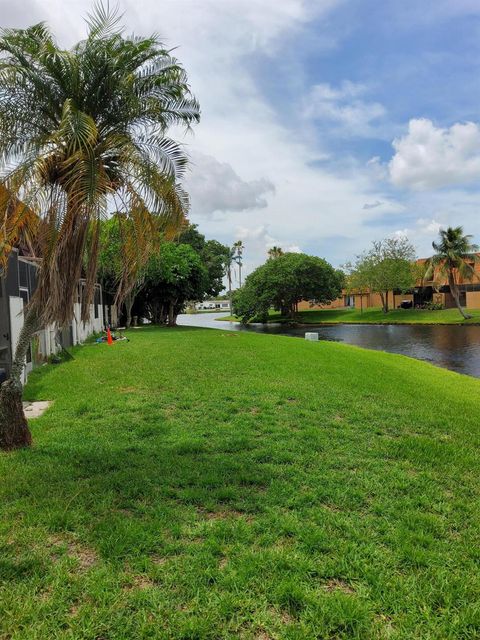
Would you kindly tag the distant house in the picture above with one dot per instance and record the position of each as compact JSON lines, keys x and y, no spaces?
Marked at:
{"x":16,"y":289}
{"x":221,"y":305}
{"x":423,"y":293}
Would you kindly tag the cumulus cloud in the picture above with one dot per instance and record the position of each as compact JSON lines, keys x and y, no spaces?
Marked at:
{"x":215,"y":186}
{"x":342,"y":106}
{"x":430,"y":157}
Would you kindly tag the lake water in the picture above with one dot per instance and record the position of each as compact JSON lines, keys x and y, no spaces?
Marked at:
{"x":453,"y":347}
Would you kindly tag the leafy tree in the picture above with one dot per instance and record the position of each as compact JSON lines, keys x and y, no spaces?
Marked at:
{"x":388,"y":265}
{"x":174,"y":275}
{"x":212,"y":254}
{"x":275,"y":252}
{"x":80,"y":129}
{"x":282,"y":283}
{"x":455,"y":256}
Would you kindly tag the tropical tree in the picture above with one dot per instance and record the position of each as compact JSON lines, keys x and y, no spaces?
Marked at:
{"x":83,"y":130}
{"x":275,"y":252}
{"x":237,"y":257}
{"x":455,"y":258}
{"x":388,"y":265}
{"x":282,"y":283}
{"x":174,"y":275}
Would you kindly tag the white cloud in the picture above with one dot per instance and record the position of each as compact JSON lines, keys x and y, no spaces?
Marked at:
{"x":215,"y":187}
{"x":342,"y":106}
{"x":429,"y":157}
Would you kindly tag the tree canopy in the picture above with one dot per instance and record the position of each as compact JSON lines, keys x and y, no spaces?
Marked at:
{"x":283,"y":282}
{"x":173,"y":276}
{"x":388,"y":265}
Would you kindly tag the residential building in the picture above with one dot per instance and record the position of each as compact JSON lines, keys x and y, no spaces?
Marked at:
{"x":436,"y":291}
{"x":16,"y":289}
{"x":218,"y":305}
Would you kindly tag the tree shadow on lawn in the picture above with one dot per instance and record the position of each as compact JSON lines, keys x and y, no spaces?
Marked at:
{"x":128,"y":501}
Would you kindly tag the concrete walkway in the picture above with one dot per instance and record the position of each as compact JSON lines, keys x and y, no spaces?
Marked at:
{"x":35,"y":409}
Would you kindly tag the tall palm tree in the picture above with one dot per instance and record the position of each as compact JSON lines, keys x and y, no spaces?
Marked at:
{"x":455,"y":258}
{"x":237,"y":256}
{"x":228,"y":261}
{"x":83,"y":132}
{"x":275,"y":252}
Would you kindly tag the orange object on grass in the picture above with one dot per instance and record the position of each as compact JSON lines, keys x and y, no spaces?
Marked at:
{"x":109,"y":336}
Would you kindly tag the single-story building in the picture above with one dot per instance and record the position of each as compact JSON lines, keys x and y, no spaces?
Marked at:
{"x":17,"y":286}
{"x":434,"y":291}
{"x":221,"y":305}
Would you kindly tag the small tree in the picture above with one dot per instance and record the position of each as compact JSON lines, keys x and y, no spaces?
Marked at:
{"x":388,"y":265}
{"x":455,"y":256}
{"x":282,"y":283}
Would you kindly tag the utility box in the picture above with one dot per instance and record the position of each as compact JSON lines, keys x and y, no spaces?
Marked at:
{"x":311,"y":336}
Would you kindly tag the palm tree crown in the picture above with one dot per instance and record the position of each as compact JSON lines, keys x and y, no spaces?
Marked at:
{"x":83,"y":132}
{"x":455,"y":256}
{"x":275,"y":252}
{"x":455,"y":252}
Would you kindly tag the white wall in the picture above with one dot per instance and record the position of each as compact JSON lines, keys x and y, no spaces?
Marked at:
{"x":82,"y":331}
{"x":47,"y":336}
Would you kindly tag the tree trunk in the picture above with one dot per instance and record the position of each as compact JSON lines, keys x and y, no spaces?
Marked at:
{"x":384,"y":302}
{"x":456,"y":295}
{"x":172,"y":318}
{"x":14,"y":431}
{"x":129,"y":300}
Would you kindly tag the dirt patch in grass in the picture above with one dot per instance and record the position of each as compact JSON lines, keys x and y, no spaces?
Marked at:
{"x":85,"y":556}
{"x":138,"y":582}
{"x":336,"y":584}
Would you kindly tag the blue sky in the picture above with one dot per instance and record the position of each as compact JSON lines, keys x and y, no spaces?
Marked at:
{"x":326,"y":123}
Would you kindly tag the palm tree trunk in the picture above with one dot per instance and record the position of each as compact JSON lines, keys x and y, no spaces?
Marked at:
{"x":456,"y":294}
{"x":229,"y":276}
{"x":14,"y":431}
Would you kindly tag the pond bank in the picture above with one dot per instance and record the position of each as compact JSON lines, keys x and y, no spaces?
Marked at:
{"x":450,"y":346}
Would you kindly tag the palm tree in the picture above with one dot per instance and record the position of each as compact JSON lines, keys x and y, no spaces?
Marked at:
{"x":227,"y":265}
{"x":83,"y":132}
{"x":237,"y":257}
{"x":455,"y":257}
{"x":275,"y":252}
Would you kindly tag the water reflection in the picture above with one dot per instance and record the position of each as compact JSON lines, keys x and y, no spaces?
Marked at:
{"x":450,"y":346}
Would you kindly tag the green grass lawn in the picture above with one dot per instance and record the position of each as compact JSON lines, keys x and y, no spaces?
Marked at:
{"x":376,"y":316}
{"x":196,"y":484}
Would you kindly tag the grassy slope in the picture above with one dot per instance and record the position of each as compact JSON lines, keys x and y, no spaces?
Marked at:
{"x":199,"y":484}
{"x":376,"y":316}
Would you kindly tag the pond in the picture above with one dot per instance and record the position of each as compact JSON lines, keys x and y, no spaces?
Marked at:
{"x":454,"y":347}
